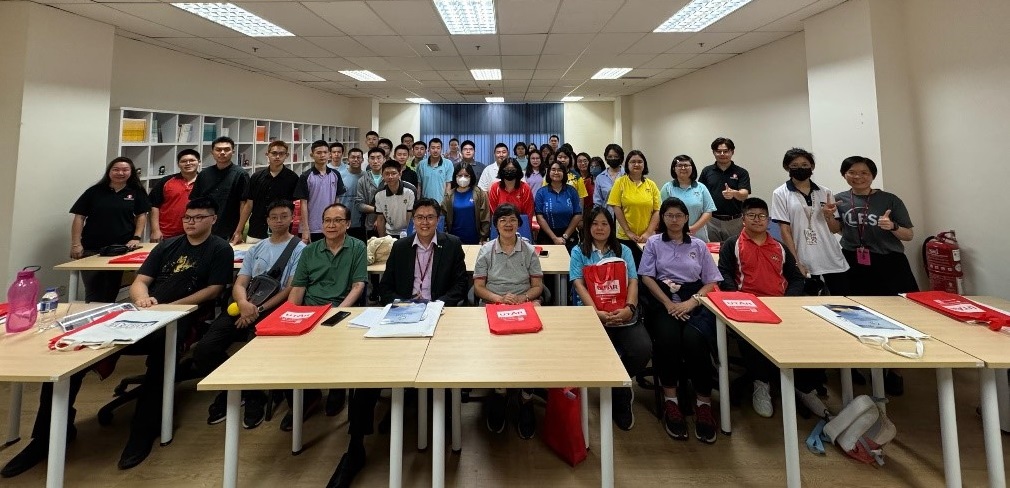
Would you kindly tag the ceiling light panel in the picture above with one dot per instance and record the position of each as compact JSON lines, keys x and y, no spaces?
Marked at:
{"x":418,"y":100}
{"x":699,"y":14}
{"x":571,"y":99}
{"x":611,"y":73}
{"x":464,"y":17}
{"x":235,"y":18}
{"x":495,"y":99}
{"x":363,"y":75}
{"x":486,"y":74}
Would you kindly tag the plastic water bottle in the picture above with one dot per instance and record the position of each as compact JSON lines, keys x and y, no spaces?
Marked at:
{"x":21,"y":301}
{"x":47,"y":307}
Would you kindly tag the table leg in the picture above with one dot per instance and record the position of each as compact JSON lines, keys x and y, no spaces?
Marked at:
{"x":168,"y":387}
{"x":584,"y":396}
{"x":396,"y":439}
{"x":991,"y":430}
{"x":1003,"y":399}
{"x":720,"y":336}
{"x":948,"y":428}
{"x":562,"y":290}
{"x":606,"y":438}
{"x":846,"y":386}
{"x":438,"y":438}
{"x":297,"y":414}
{"x":457,"y":421}
{"x":789,"y":428}
{"x":422,"y":419}
{"x":231,"y":430}
{"x":14,"y":415}
{"x":58,"y":433}
{"x":75,"y":277}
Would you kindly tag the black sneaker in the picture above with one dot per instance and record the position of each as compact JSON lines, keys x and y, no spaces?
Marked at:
{"x":623,"y":415}
{"x":34,"y":453}
{"x":255,"y":412}
{"x":673,"y":421}
{"x":704,"y":424}
{"x":217,"y":411}
{"x":335,"y":401}
{"x":894,"y":384}
{"x":494,"y":412}
{"x":527,"y":424}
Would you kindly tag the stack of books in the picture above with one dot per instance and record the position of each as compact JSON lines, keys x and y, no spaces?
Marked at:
{"x":134,"y":130}
{"x":261,"y":133}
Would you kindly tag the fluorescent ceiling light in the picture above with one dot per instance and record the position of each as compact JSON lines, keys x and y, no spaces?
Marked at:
{"x":571,"y":99}
{"x":467,"y":16}
{"x":235,"y":18}
{"x":495,"y":99}
{"x":362,"y":75}
{"x":486,"y":74}
{"x":699,"y":14}
{"x":610,"y":73}
{"x":418,"y":100}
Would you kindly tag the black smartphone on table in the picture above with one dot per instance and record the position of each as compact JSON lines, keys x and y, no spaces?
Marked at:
{"x":336,"y":318}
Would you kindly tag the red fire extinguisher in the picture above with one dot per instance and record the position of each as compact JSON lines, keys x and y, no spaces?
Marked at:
{"x":942,"y":257}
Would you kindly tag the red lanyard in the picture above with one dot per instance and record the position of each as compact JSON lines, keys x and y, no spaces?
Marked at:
{"x":427,"y":266}
{"x":860,"y":225}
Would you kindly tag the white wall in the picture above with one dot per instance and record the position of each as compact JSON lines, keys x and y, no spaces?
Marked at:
{"x":14,"y":52}
{"x":589,"y":126}
{"x":757,"y":99}
{"x":959,"y":70}
{"x":395,"y":119}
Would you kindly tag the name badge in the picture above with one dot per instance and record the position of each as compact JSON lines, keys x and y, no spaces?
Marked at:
{"x":810,"y":235}
{"x":863,"y":256}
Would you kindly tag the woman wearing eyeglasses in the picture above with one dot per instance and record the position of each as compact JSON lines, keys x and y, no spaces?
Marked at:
{"x":685,"y":186}
{"x":678,"y":269}
{"x":112,"y":211}
{"x":558,"y":209}
{"x":635,"y":201}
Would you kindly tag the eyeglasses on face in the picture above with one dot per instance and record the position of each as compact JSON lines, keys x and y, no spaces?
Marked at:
{"x":674,"y":217}
{"x":334,"y":221}
{"x":192,"y":219}
{"x":508,"y":221}
{"x":757,"y":217}
{"x":425,"y":218}
{"x":278,"y":154}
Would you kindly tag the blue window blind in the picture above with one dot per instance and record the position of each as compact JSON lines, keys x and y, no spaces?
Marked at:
{"x":489,"y":124}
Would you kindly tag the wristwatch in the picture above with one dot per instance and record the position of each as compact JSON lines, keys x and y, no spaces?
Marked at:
{"x":564,"y":236}
{"x":259,"y":309}
{"x":137,"y":238}
{"x":633,"y":308}
{"x":697,"y":297}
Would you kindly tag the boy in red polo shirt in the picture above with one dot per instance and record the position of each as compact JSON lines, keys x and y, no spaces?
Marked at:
{"x":754,"y":262}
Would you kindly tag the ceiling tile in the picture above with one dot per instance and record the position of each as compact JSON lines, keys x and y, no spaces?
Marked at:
{"x":757,"y":14}
{"x":598,"y":62}
{"x":556,"y":61}
{"x":703,"y":60}
{"x":333,"y":64}
{"x":522,"y":44}
{"x":425,"y":75}
{"x":748,"y":41}
{"x":411,"y":63}
{"x":122,"y":20}
{"x":704,"y":41}
{"x":516,"y":83}
{"x":613,"y":43}
{"x":293,"y":17}
{"x":676,"y":73}
{"x":457,"y":75}
{"x":567,"y":43}
{"x":262,"y":64}
{"x":341,"y":46}
{"x":542,"y":82}
{"x":417,"y":18}
{"x":371,"y":62}
{"x":482,"y":62}
{"x":577,"y":74}
{"x":446,"y":63}
{"x":548,"y":74}
{"x":385,"y":45}
{"x":297,"y":46}
{"x":394,"y":75}
{"x":176,"y":18}
{"x":525,"y":16}
{"x":251,"y":46}
{"x":205,"y":47}
{"x":517,"y":74}
{"x":519,"y":62}
{"x":476,"y":45}
{"x":444,"y":43}
{"x":643,"y":15}
{"x":300,"y":64}
{"x":794,"y":21}
{"x":298,"y":76}
{"x":665,"y":61}
{"x":578,"y":16}
{"x":658,"y":42}
{"x":352,"y":18}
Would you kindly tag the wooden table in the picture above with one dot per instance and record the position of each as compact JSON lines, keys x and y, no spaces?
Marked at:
{"x":101,"y":263}
{"x":977,"y":340}
{"x":555,"y":263}
{"x":326,"y":357}
{"x":804,"y":340}
{"x":25,"y":358}
{"x":571,"y":350}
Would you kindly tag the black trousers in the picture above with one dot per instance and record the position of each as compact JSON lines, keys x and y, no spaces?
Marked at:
{"x":761,"y":369}
{"x":361,"y":411}
{"x":888,"y":274}
{"x":101,"y":286}
{"x":633,"y":346}
{"x":636,"y":250}
{"x":681,"y":348}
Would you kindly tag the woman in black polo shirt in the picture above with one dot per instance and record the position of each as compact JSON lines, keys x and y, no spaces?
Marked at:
{"x":112,"y":211}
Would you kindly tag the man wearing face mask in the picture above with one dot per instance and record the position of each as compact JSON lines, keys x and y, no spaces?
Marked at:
{"x":501,"y":153}
{"x":604,"y":182}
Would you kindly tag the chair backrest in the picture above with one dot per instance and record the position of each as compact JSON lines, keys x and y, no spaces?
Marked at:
{"x":525,"y":230}
{"x":440,"y":226}
{"x":775,"y":230}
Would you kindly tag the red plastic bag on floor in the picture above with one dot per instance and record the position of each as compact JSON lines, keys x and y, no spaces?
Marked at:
{"x":563,"y":425}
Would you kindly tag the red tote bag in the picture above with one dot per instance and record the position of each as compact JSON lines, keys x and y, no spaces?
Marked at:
{"x":291,"y":320}
{"x":512,"y":319}
{"x":563,"y":425}
{"x":743,"y":307}
{"x":607,"y":282}
{"x":960,"y":308}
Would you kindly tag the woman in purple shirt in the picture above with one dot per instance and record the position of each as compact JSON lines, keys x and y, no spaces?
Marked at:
{"x":678,"y":269}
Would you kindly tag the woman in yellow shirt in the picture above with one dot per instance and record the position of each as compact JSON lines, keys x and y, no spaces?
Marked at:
{"x":635,"y":201}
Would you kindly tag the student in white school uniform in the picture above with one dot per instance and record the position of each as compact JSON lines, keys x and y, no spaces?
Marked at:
{"x":806,"y":232}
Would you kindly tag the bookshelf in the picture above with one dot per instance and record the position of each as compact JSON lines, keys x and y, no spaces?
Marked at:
{"x":153,"y":138}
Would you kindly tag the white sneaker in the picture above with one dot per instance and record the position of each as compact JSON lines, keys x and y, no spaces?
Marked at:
{"x":814,"y":403}
{"x":762,"y":399}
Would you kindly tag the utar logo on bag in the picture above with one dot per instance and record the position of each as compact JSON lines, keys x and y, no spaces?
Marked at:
{"x":611,"y":287}
{"x":741,"y":304}
{"x":512,"y":315}
{"x":295,"y":317}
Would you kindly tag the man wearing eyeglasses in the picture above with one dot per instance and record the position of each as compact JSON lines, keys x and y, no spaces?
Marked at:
{"x":275,"y":182}
{"x":729,"y":185}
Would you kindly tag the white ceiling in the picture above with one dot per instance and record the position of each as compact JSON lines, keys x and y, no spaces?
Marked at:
{"x":547,"y":49}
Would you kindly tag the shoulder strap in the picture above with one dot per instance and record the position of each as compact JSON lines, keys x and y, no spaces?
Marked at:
{"x":282,"y":261}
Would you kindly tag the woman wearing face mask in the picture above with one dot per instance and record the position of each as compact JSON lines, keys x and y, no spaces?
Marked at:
{"x":466,"y":209}
{"x":510,"y":188}
{"x":583,"y":167}
{"x":604,"y":182}
{"x":797,"y":207}
{"x":536,"y":170}
{"x":686,"y":188}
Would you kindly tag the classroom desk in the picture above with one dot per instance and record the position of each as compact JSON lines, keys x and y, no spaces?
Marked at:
{"x":101,"y":263}
{"x":555,"y":263}
{"x":25,"y":358}
{"x":804,"y":340}
{"x":1002,"y":387}
{"x":977,"y":340}
{"x":326,"y":357}
{"x":571,"y":350}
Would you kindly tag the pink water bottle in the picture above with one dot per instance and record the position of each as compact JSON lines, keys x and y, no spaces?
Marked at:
{"x":21,"y":301}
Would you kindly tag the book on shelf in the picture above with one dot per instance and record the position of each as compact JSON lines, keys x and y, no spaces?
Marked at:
{"x":185,"y":133}
{"x":298,"y":134}
{"x":155,"y":131}
{"x":261,"y":133}
{"x":134,"y":130}
{"x":209,"y":132}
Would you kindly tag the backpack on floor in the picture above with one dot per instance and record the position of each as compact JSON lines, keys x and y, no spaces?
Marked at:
{"x":861,"y":429}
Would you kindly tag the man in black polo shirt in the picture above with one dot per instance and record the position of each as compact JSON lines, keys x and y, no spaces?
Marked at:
{"x":729,"y":185}
{"x":228,"y":185}
{"x":270,"y":184}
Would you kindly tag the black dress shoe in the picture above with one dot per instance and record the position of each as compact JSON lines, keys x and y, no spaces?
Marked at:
{"x":34,"y":453}
{"x":136,"y":451}
{"x":349,"y":467}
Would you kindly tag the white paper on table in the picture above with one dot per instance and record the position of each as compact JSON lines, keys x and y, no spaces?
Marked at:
{"x":126,"y":328}
{"x":367,"y":318}
{"x":424,"y":328}
{"x":864,"y":322}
